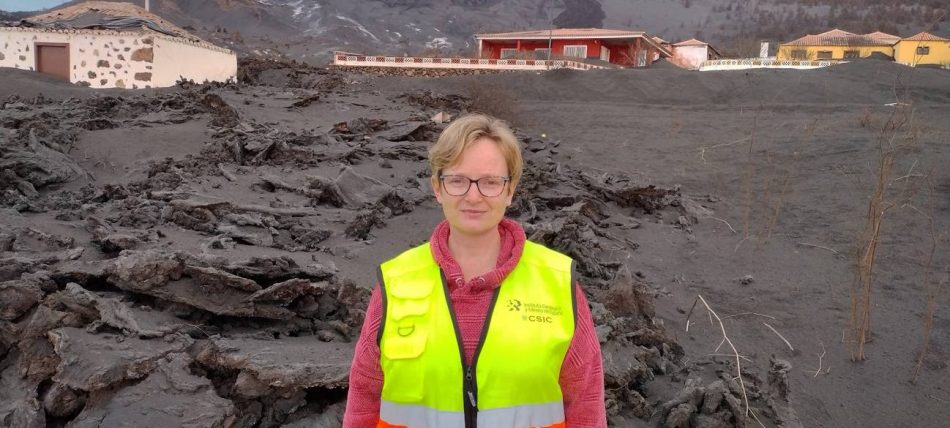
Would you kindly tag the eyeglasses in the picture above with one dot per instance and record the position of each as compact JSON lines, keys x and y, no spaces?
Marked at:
{"x":458,"y":185}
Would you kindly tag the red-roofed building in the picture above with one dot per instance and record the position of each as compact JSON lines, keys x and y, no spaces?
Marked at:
{"x":620,"y":47}
{"x":837,"y":45}
{"x":884,"y":37}
{"x":923,"y":48}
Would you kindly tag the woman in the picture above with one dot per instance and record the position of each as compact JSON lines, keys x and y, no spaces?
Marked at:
{"x":478,"y":327}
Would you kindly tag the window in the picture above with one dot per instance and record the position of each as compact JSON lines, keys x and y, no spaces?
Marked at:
{"x":799,"y":54}
{"x":577,"y":51}
{"x":542,"y":53}
{"x":509,"y":53}
{"x":852,"y":54}
{"x":923,"y":50}
{"x":824,"y":55}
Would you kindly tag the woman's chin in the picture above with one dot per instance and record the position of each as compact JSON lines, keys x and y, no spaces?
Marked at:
{"x":473,"y":226}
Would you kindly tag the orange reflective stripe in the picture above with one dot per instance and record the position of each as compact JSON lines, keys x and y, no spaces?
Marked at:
{"x":383,"y":424}
{"x":557,"y":425}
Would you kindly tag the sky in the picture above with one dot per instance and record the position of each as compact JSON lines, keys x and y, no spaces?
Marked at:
{"x":28,"y":5}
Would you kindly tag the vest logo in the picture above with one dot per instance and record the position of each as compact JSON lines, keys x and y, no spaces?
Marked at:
{"x":535,"y":312}
{"x":538,"y":318}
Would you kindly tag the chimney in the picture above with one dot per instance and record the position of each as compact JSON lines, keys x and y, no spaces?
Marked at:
{"x":146,"y":5}
{"x":763,"y":48}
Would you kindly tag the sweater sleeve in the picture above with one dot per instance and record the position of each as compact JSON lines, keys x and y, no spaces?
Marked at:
{"x":366,"y":376}
{"x":582,"y":373}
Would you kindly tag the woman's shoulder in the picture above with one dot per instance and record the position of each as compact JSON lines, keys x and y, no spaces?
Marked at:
{"x":536,"y":252}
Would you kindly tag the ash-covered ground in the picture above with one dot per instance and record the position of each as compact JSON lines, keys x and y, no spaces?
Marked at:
{"x":202,"y":255}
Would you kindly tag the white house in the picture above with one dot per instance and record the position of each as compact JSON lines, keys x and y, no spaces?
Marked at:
{"x":693,"y":53}
{"x":112,"y":45}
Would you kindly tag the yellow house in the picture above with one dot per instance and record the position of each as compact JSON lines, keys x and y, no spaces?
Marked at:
{"x":837,"y":45}
{"x":924,"y":48}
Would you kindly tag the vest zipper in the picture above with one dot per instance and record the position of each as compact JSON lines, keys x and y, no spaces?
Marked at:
{"x":469,"y":384}
{"x":471,"y":405}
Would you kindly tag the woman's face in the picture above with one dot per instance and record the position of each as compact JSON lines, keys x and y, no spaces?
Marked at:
{"x":473,"y":213}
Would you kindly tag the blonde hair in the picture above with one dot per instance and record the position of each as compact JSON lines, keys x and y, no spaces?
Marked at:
{"x":464,"y":131}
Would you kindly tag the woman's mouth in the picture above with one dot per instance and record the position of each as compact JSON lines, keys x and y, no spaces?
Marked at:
{"x":473,"y":213}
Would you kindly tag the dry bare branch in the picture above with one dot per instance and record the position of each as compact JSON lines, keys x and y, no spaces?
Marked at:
{"x":702,"y":150}
{"x":931,"y":288}
{"x":909,"y":172}
{"x":735,"y":352}
{"x":730,"y":355}
{"x":690,"y":313}
{"x":889,"y":147}
{"x":805,"y":244}
{"x":748,"y":179}
{"x":780,"y":336}
{"x":757,"y":419}
{"x":821,"y":358}
{"x":749,"y":313}
{"x":938,"y":399}
{"x":726,"y":222}
{"x":786,"y":180}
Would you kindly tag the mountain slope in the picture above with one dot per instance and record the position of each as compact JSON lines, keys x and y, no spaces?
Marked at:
{"x":309,"y":30}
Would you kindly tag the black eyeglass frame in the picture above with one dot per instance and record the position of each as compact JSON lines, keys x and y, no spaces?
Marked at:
{"x":478,"y":186}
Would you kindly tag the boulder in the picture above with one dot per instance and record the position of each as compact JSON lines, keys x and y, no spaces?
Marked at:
{"x":289,"y":363}
{"x":168,"y":397}
{"x":17,"y":297}
{"x":95,"y":361}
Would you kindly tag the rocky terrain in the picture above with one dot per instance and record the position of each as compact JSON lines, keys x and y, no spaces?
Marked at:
{"x":202,"y":255}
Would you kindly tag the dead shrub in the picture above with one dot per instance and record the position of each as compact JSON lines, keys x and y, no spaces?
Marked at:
{"x":894,"y":137}
{"x":931,"y":287}
{"x":866,"y":119}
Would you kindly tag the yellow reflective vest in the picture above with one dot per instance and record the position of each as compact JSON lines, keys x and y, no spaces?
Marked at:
{"x":513,"y":378}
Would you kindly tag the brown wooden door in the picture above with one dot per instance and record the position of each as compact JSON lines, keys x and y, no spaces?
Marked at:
{"x":53,"y":59}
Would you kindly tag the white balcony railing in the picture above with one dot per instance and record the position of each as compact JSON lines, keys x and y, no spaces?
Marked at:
{"x":356,"y":60}
{"x":745,"y":64}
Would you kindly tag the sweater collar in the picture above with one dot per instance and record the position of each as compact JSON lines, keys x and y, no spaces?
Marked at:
{"x":512,"y":245}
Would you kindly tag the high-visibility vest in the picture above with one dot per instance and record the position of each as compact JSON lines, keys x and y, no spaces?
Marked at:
{"x":513,"y":378}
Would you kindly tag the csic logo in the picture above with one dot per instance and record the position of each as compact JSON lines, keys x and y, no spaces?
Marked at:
{"x":514,"y":305}
{"x":537,"y":318}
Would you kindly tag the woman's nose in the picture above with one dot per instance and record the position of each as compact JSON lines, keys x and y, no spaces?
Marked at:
{"x":473,"y":194}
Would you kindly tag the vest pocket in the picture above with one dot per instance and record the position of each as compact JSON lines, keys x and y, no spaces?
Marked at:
{"x":414,"y":290}
{"x":406,"y":341}
{"x":399,"y":309}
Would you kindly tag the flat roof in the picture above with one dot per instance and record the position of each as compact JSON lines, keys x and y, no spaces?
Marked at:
{"x":574,"y":34}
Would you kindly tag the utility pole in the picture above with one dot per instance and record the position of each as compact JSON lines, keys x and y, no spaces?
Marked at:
{"x":146,"y":5}
{"x":550,"y":33}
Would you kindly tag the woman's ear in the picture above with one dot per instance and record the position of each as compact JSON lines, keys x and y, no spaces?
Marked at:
{"x":510,"y":195}
{"x":436,"y":189}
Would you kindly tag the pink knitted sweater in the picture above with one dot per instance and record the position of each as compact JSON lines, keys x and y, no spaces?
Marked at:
{"x":582,"y":379}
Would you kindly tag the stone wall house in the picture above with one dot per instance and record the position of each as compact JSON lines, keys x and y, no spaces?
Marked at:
{"x":112,"y":45}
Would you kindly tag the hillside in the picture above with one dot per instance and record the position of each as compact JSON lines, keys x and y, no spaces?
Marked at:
{"x":310,"y":31}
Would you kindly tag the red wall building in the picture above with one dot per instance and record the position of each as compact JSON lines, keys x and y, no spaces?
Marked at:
{"x":624,"y":48}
